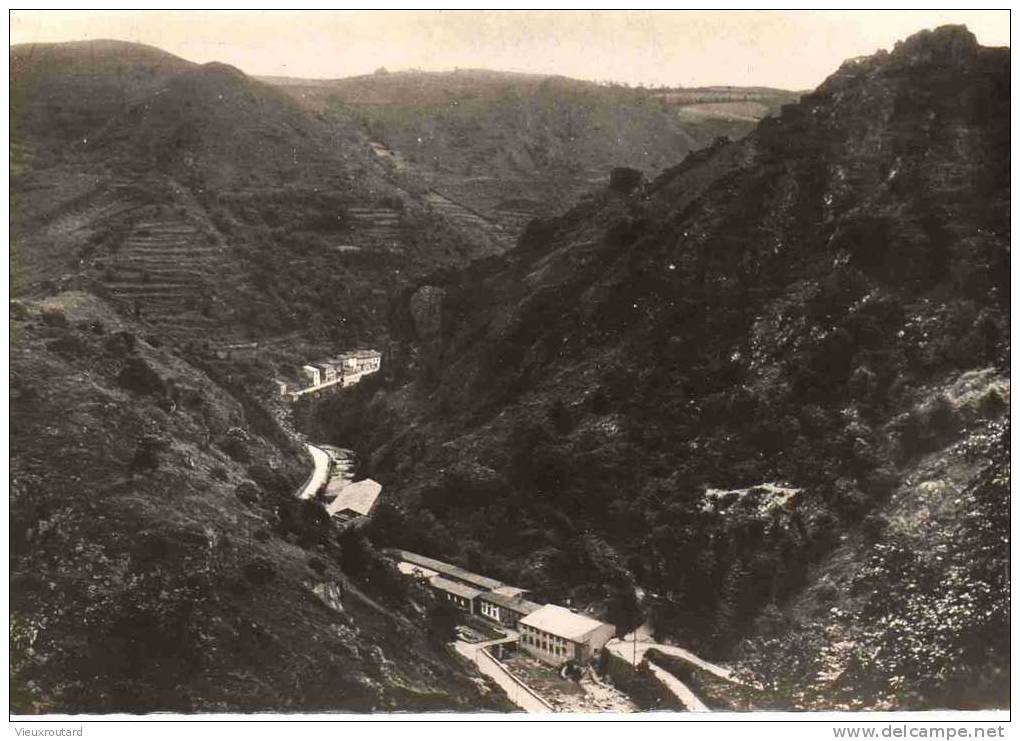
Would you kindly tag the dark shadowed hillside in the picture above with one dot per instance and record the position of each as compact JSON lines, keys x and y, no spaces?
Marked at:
{"x":767,"y":390}
{"x":61,"y":93}
{"x":159,"y":559}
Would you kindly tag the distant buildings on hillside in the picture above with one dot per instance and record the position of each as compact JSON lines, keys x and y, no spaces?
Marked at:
{"x":341,"y":371}
{"x":550,"y":633}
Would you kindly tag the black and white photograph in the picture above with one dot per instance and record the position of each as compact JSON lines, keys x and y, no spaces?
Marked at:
{"x":510,"y":365}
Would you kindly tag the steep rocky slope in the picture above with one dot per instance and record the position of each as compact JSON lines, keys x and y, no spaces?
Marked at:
{"x":515,"y":146}
{"x":703,"y":386}
{"x":159,"y":560}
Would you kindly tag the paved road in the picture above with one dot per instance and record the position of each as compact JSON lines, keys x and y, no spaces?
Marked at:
{"x":320,"y":474}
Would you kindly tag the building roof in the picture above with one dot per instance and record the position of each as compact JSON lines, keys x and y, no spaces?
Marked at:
{"x":335,"y":486}
{"x":561,"y":622}
{"x":510,"y":591}
{"x":516,"y":604}
{"x":358,"y":497}
{"x":449,"y":570}
{"x":412,"y":569}
{"x":448,"y":585}
{"x":360,"y":354}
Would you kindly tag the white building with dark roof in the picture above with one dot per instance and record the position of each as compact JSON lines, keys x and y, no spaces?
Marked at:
{"x":554,"y":634}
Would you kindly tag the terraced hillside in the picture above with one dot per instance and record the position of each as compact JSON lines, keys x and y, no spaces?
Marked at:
{"x":512,"y":147}
{"x":168,"y":273}
{"x":209,"y":206}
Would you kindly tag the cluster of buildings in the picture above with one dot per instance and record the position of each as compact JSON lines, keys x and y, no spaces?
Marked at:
{"x":340,"y":371}
{"x":550,"y":633}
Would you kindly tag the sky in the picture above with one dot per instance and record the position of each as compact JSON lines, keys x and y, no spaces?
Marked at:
{"x":788,"y":49}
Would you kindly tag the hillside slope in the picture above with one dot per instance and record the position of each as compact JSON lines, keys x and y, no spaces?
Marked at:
{"x":63,"y":92}
{"x":159,"y":559}
{"x":208,"y":204}
{"x":696,"y":388}
{"x":516,"y":146}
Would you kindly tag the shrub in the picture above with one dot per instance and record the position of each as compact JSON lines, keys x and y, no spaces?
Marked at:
{"x":53,"y":317}
{"x":234,"y":447}
{"x":247,"y":492}
{"x":305,"y":520}
{"x":259,"y":571}
{"x":625,"y":179}
{"x":560,"y":417}
{"x":120,"y":343}
{"x":147,"y":453}
{"x":317,"y":565}
{"x":69,"y":346}
{"x":137,"y":376}
{"x":442,"y":622}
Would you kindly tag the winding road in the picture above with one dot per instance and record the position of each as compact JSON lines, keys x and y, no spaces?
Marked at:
{"x":320,"y":474}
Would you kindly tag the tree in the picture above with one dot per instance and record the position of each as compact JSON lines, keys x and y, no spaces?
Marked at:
{"x":442,"y":622}
{"x":623,"y":609}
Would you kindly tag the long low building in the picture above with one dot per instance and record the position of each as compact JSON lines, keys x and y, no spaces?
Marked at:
{"x":456,"y":573}
{"x":550,"y":633}
{"x":460,"y":595}
{"x":505,"y":610}
{"x":554,"y":634}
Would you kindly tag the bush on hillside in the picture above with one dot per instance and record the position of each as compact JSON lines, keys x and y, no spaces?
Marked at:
{"x":137,"y":376}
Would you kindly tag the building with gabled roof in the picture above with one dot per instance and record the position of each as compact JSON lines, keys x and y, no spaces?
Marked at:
{"x":554,"y":634}
{"x":355,"y":500}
